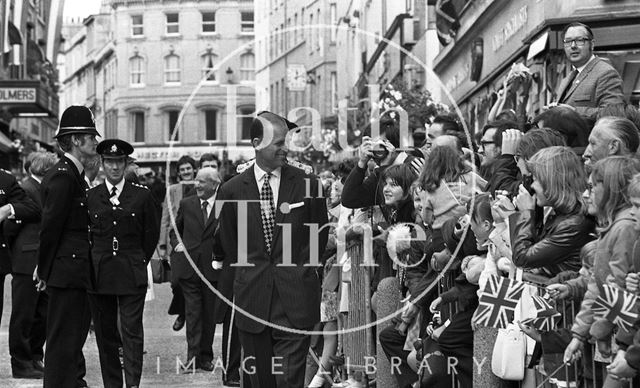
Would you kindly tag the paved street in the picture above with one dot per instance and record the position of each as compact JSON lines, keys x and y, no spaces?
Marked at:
{"x":162,"y":344}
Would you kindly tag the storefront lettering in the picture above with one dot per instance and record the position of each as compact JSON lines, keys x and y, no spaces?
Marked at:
{"x":458,"y":78}
{"x":17,"y":95}
{"x":513,"y":25}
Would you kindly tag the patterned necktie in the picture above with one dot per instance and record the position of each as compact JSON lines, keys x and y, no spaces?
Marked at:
{"x":205,"y":215}
{"x":114,"y":191}
{"x":267,"y":211}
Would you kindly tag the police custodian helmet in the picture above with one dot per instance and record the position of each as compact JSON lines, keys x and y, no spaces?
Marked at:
{"x":77,"y":119}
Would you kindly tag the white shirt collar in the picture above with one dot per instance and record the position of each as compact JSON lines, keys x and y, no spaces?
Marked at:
{"x":75,"y":161}
{"x":119,"y":186}
{"x":585,"y":65}
{"x":260,"y":173}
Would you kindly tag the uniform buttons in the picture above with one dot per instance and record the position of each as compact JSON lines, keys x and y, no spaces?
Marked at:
{"x":4,"y":245}
{"x":115,"y":223}
{"x":114,"y":253}
{"x":133,"y":214}
{"x":74,"y":255}
{"x":114,"y":208}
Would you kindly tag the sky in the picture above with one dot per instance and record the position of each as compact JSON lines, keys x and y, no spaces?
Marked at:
{"x":80,"y":8}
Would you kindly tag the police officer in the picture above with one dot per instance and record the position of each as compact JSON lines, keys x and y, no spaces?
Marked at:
{"x":63,"y":256}
{"x":124,"y":233}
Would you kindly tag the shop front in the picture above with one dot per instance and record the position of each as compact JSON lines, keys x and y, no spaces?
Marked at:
{"x":495,"y":34}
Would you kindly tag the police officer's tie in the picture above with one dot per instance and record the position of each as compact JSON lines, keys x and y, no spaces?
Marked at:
{"x":268,"y":211}
{"x":205,"y":215}
{"x":114,"y":191}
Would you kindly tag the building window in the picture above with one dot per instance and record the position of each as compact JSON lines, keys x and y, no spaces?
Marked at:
{"x":172,"y":120}
{"x":318,"y":35}
{"x":110,"y":125}
{"x":172,"y":69}
{"x":245,"y":118}
{"x":173,"y":23}
{"x":334,"y":90}
{"x":247,"y":67}
{"x":137,"y":126}
{"x":334,"y":22}
{"x":208,"y":62}
{"x":136,"y":69}
{"x":137,"y":28}
{"x":208,"y":22}
{"x":311,"y":32}
{"x":246,"y":21}
{"x":295,"y":31}
{"x":210,"y":124}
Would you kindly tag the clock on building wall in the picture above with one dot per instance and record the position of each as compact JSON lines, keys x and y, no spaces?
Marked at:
{"x":296,"y":78}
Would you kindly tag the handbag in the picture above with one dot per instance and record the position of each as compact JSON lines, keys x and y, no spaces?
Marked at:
{"x":509,"y":352}
{"x":160,"y":270}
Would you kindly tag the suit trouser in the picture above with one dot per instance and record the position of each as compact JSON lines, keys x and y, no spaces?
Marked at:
{"x":28,"y":322}
{"x":279,"y":357}
{"x":68,"y":321}
{"x":105,"y":310}
{"x":199,"y":303}
{"x":176,"y":307}
{"x":230,"y":352}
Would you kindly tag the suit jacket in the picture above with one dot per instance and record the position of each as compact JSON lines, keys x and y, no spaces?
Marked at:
{"x":63,"y":256}
{"x":258,"y":272}
{"x":197,"y":237}
{"x":124,"y":236}
{"x":597,"y":85}
{"x":24,"y":247}
{"x":26,"y":210}
{"x":174,"y":195}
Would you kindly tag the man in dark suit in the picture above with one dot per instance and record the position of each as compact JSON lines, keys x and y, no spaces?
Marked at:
{"x":593,"y":83}
{"x":63,"y":256}
{"x":14,"y":204}
{"x":195,"y":224}
{"x":124,"y":233}
{"x":27,"y":326}
{"x":270,"y":227}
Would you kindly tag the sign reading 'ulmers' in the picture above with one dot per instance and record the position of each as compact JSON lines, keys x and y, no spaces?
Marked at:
{"x":17,"y":95}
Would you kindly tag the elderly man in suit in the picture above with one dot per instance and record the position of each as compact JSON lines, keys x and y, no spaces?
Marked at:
{"x":593,"y":83}
{"x":27,"y":326}
{"x":64,"y":269}
{"x":271,"y":228}
{"x":195,"y":224}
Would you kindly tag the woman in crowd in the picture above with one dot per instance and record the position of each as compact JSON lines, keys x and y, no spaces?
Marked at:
{"x":609,"y":202}
{"x":549,"y":244}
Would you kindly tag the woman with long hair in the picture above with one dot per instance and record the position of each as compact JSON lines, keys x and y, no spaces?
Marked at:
{"x":547,"y":243}
{"x":608,"y":200}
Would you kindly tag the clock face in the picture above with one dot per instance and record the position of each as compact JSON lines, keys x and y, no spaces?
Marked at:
{"x":296,"y":78}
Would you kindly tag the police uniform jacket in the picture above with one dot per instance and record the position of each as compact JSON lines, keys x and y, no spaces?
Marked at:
{"x":25,"y":211}
{"x":123,"y":236}
{"x":63,"y":258}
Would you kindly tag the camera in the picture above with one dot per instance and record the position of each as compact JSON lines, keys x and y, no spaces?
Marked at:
{"x":527,"y":181}
{"x":379,"y":150}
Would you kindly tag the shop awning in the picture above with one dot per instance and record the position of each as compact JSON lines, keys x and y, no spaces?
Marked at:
{"x":538,"y":45}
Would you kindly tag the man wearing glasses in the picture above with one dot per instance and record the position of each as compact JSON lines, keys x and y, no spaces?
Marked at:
{"x":593,"y":83}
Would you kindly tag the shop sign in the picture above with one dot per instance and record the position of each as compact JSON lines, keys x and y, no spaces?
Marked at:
{"x":173,"y":153}
{"x":11,"y":95}
{"x":513,"y":25}
{"x":459,"y":77}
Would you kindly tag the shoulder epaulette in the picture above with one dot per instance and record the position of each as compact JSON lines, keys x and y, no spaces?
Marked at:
{"x":6,"y":171}
{"x":139,"y":185}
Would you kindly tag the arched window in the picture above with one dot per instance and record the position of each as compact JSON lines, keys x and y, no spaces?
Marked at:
{"x":209,"y":60}
{"x":172,"y":69}
{"x":136,"y":70}
{"x":247,"y":67}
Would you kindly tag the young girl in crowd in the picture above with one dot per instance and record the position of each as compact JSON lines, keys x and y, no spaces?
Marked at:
{"x":609,"y":202}
{"x":448,"y":185}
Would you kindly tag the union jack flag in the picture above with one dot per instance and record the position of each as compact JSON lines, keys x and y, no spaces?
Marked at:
{"x":617,"y":306}
{"x":498,"y":302}
{"x":546,"y":318}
